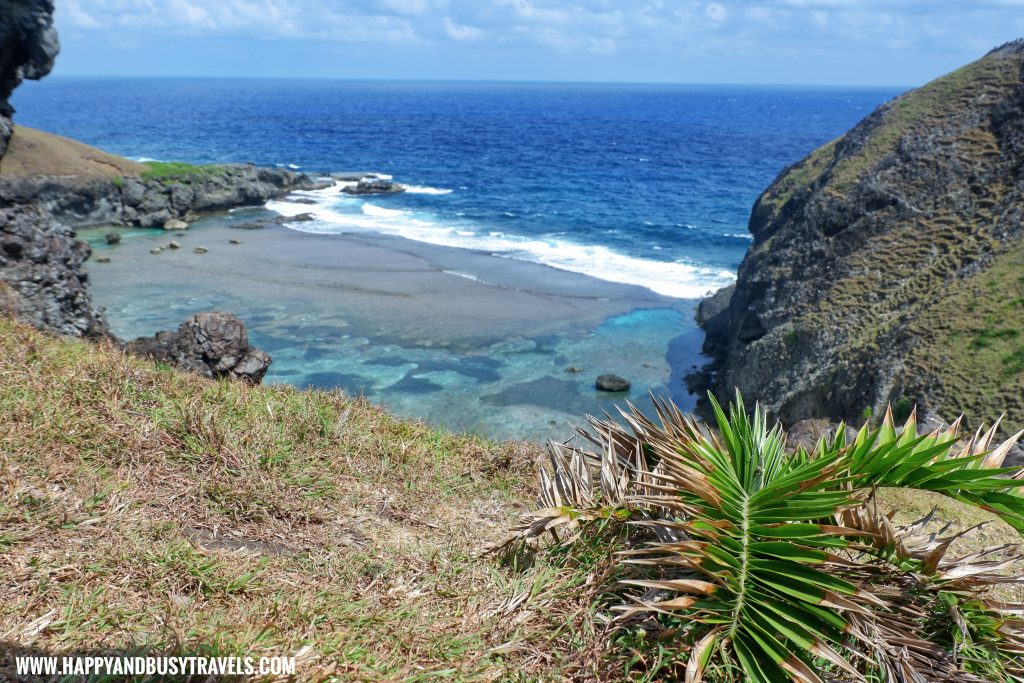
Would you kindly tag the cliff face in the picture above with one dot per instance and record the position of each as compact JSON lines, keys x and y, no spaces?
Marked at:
{"x":29,"y":46}
{"x":888,"y":266}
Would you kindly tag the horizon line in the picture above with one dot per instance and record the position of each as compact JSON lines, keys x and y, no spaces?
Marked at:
{"x":508,"y":81}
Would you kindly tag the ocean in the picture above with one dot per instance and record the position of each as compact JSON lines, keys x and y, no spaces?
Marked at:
{"x":647,"y":186}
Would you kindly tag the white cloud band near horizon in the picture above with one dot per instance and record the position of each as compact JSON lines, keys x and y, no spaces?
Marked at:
{"x":586,"y":39}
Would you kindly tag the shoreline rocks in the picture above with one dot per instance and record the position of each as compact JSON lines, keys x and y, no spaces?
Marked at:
{"x":86,"y":202}
{"x":372,"y":185}
{"x":213,"y":344}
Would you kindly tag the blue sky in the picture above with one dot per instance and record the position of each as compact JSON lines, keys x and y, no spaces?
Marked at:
{"x":841,"y":42}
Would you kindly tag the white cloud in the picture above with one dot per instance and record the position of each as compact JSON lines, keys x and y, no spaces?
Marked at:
{"x":672,"y":29}
{"x":79,"y":17}
{"x":460,"y":31}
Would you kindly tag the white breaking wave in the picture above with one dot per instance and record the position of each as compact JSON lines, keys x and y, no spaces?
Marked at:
{"x":381,"y":212}
{"x":334,"y":214}
{"x":423,"y":189}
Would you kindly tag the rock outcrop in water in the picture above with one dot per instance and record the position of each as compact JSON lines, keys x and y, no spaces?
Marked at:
{"x":373,"y":185}
{"x":213,"y":344}
{"x":128,"y":200}
{"x":888,"y":266}
{"x":28,"y":48}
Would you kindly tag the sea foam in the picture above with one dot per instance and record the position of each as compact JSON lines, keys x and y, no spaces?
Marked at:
{"x":336,"y":214}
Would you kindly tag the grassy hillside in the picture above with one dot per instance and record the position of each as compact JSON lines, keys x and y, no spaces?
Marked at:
{"x":146,"y":507}
{"x":143,"y":508}
{"x":886,"y":264}
{"x":33,"y":152}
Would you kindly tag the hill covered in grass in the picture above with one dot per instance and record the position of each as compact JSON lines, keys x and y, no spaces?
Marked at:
{"x":147,"y":510}
{"x":35,"y":152}
{"x":887,"y":265}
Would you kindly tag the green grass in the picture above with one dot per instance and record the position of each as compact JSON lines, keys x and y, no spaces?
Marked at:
{"x":143,"y":509}
{"x":177,"y":171}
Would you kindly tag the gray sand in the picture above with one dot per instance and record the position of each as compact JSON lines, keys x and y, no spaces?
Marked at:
{"x":383,"y":286}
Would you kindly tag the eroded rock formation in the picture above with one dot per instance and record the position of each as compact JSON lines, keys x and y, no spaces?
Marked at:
{"x":28,"y":48}
{"x":888,"y":266}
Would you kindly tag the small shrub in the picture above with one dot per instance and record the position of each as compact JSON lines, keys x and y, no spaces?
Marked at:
{"x":763,"y":565}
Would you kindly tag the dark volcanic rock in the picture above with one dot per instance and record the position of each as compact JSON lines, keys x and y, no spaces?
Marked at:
{"x":112,"y":238}
{"x":611,"y":382}
{"x":886,"y":265}
{"x":373,"y":186}
{"x":212,"y":344}
{"x":40,"y":269}
{"x":83,"y":202}
{"x":28,"y":46}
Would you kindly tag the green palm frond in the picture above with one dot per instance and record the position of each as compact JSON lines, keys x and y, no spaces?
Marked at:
{"x":779,"y":564}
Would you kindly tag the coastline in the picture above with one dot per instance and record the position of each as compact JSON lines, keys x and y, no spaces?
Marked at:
{"x":415,"y":326}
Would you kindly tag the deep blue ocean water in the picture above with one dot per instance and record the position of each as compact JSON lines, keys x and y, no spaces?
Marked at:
{"x":649,"y":185}
{"x":652,"y":172}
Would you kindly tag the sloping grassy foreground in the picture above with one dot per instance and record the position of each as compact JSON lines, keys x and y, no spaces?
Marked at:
{"x":143,"y":508}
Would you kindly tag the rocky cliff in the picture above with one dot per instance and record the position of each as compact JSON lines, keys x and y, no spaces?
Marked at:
{"x":888,"y":266}
{"x":50,"y":185}
{"x":28,"y":47}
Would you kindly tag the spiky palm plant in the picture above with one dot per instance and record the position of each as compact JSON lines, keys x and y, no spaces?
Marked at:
{"x":778,"y":566}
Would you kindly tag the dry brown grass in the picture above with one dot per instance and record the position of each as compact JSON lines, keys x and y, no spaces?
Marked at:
{"x":33,"y":152}
{"x":146,"y":509}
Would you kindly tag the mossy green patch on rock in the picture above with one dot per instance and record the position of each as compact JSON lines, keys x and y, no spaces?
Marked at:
{"x":177,"y":171}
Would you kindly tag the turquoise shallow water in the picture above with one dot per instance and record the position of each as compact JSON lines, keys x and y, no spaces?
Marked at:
{"x":642,"y":185}
{"x":500,"y":379}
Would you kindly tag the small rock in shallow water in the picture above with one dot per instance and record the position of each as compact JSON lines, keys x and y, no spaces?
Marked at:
{"x":175,"y":224}
{"x":174,"y":245}
{"x":103,"y":259}
{"x":610,"y":382}
{"x":112,"y":238}
{"x":248,"y":226}
{"x":573,"y":369}
{"x":156,"y":250}
{"x":200,"y":250}
{"x":298,"y":218}
{"x":234,"y":241}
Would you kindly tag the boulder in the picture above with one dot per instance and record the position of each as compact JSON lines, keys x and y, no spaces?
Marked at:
{"x":212,"y":344}
{"x":175,"y":224}
{"x":610,"y":382}
{"x":373,"y":186}
{"x":173,"y":245}
{"x":199,"y":250}
{"x":112,"y":238}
